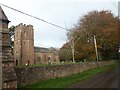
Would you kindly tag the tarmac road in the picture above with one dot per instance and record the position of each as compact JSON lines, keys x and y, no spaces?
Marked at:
{"x":107,"y":79}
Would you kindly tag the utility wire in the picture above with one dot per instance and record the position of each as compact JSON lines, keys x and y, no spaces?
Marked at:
{"x":114,"y":5}
{"x":34,"y":17}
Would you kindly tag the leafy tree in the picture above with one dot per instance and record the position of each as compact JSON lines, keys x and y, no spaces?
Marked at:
{"x":12,"y":31}
{"x":104,"y":25}
{"x":65,"y":53}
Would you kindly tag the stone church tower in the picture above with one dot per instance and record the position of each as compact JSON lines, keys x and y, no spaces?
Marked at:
{"x":8,"y":78}
{"x":24,"y":45}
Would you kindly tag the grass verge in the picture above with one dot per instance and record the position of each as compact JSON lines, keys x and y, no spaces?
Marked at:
{"x":64,"y":82}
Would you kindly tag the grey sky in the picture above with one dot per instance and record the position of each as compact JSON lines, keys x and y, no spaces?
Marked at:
{"x":64,"y":13}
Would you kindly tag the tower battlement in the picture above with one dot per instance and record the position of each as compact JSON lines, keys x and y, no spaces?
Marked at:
{"x":21,"y":25}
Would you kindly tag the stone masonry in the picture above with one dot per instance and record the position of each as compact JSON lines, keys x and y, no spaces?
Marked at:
{"x":9,"y":79}
{"x":30,"y":75}
{"x":24,"y":51}
{"x":24,"y":45}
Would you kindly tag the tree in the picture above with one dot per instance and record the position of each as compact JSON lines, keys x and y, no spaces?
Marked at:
{"x":12,"y":31}
{"x":102,"y":24}
{"x":72,"y":41}
{"x":65,"y":53}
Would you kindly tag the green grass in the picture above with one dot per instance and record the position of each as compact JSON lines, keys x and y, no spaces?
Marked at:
{"x":64,"y":82}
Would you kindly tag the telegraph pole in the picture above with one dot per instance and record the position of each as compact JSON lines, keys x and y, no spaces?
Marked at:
{"x":96,"y":51}
{"x":73,"y":50}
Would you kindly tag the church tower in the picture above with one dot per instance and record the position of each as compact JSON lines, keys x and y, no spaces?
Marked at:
{"x":24,"y":45}
{"x":8,"y":78}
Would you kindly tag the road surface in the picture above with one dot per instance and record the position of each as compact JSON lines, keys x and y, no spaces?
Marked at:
{"x":107,"y":79}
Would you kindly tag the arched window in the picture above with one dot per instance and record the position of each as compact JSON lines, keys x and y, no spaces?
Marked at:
{"x":45,"y":57}
{"x":16,"y":62}
{"x":38,"y":58}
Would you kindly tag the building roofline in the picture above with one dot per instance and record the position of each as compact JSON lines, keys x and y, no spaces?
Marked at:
{"x":3,"y":15}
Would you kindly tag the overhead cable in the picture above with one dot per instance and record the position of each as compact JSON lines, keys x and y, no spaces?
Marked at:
{"x":34,"y":17}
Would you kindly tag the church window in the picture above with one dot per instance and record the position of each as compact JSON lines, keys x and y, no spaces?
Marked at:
{"x":49,"y":58}
{"x":45,"y":57}
{"x":38,"y":58}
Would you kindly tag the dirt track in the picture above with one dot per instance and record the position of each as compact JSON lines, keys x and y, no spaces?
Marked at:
{"x":107,"y":79}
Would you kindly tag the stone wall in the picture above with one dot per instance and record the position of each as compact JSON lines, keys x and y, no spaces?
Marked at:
{"x":8,"y":77}
{"x":28,"y":75}
{"x":0,"y":61}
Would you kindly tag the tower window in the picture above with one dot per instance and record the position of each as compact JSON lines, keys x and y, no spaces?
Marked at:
{"x":25,"y":34}
{"x":16,"y":62}
{"x":38,"y":58}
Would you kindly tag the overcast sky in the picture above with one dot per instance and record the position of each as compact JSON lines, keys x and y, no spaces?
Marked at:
{"x":64,"y":13}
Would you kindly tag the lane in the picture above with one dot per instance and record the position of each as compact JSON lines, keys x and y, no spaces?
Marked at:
{"x":107,"y":79}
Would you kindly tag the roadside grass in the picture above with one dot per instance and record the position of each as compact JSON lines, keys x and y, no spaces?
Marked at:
{"x":64,"y":82}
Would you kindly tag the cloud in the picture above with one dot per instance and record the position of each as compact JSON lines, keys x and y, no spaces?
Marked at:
{"x":65,"y":13}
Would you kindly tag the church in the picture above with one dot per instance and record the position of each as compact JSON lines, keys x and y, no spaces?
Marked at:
{"x":25,"y":53}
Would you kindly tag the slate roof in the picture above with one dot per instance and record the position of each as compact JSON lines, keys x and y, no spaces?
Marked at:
{"x":41,"y":49}
{"x":2,"y":15}
{"x":45,"y":50}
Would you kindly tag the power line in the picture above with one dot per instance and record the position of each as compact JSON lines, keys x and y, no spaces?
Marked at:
{"x":114,"y":5}
{"x":34,"y":17}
